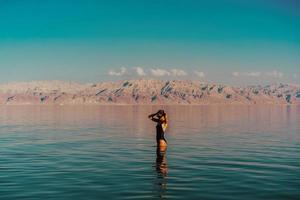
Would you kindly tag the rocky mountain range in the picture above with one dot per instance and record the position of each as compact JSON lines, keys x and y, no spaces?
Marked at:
{"x":144,"y":92}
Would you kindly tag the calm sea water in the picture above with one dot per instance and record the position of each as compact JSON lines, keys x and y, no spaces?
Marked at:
{"x":109,"y":152}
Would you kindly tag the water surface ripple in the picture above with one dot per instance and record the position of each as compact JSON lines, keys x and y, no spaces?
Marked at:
{"x":108,"y":152}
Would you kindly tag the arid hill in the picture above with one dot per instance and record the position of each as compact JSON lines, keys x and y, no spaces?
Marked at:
{"x":144,"y":92}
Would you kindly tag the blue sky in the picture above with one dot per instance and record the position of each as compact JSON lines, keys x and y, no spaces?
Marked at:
{"x":224,"y":41}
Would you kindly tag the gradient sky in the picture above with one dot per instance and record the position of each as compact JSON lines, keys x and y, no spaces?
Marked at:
{"x":225,"y":41}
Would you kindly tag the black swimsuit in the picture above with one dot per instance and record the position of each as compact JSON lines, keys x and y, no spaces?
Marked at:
{"x":160,"y":134}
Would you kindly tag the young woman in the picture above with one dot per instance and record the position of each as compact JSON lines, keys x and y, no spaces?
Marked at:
{"x":162,"y":122}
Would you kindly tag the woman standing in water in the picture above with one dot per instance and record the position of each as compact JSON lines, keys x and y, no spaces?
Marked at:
{"x":162,"y":122}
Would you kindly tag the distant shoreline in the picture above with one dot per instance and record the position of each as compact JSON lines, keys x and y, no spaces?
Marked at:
{"x":116,"y":104}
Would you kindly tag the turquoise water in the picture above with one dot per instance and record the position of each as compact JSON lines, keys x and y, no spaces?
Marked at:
{"x":108,"y":152}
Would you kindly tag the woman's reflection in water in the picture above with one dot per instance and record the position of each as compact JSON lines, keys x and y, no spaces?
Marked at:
{"x":162,"y":170}
{"x":161,"y":161}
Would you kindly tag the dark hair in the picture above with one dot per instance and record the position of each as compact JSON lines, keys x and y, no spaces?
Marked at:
{"x":161,"y":112}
